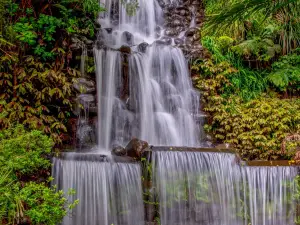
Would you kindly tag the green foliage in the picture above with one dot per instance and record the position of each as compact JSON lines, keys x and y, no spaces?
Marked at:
{"x":258,"y":49}
{"x":22,"y":158}
{"x":130,"y":6}
{"x":30,"y":89}
{"x":22,"y":151}
{"x":45,"y":205}
{"x":36,"y":74}
{"x":283,"y":13}
{"x":285,"y":74}
{"x":240,"y":80}
{"x":256,"y":128}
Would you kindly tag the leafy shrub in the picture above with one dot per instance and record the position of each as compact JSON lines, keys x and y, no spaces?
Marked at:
{"x":24,"y":152}
{"x":256,"y":127}
{"x":23,"y":200}
{"x":285,"y":74}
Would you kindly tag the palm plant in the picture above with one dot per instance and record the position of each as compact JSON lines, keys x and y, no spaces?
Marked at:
{"x":284,"y":12}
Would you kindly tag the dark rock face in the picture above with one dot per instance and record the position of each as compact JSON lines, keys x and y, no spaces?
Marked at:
{"x":136,"y":147}
{"x":179,"y":18}
{"x":143,"y":47}
{"x":119,"y":151}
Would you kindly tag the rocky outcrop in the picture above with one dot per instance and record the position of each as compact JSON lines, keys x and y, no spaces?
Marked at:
{"x":134,"y":149}
{"x":183,"y":22}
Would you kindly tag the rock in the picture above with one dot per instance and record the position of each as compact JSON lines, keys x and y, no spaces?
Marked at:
{"x":143,"y":47}
{"x":190,"y":32}
{"x":161,"y":3}
{"x":127,"y":37}
{"x":75,"y":46}
{"x":176,"y":23}
{"x":136,"y":147}
{"x":84,"y":86}
{"x":171,"y":32}
{"x":189,"y":41}
{"x":100,"y":44}
{"x":198,"y":46}
{"x":109,"y":30}
{"x":196,"y":37}
{"x":166,"y":40}
{"x":178,"y":41}
{"x":119,"y":151}
{"x":88,"y":98}
{"x":87,"y":41}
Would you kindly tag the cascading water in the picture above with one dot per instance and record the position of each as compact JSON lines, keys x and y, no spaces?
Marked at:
{"x":159,"y":103}
{"x":108,"y":192}
{"x":144,"y":91}
{"x":211,"y":189}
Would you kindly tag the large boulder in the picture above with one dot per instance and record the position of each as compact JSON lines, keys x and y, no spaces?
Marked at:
{"x":136,"y":147}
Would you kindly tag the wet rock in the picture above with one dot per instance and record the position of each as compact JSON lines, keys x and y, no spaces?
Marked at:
{"x":136,"y":147}
{"x":190,"y":32}
{"x":75,"y":46}
{"x":198,"y":46}
{"x":99,"y":44}
{"x":164,"y":41}
{"x":125,"y":49}
{"x":196,"y":37}
{"x":108,"y":30}
{"x":143,"y":47}
{"x":119,"y":151}
{"x":82,"y":85}
{"x":171,"y":32}
{"x":189,"y":41}
{"x":127,"y":37}
{"x":88,"y":98}
{"x":176,"y":23}
{"x":178,"y":41}
{"x":87,"y":41}
{"x":161,"y":3}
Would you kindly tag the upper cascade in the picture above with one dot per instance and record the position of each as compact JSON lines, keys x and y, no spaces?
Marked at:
{"x":122,"y":28}
{"x":144,"y":88}
{"x":171,"y":22}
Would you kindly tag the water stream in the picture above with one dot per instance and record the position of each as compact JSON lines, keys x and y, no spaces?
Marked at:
{"x":159,"y":104}
{"x":211,"y":189}
{"x":108,"y":192}
{"x":153,"y":99}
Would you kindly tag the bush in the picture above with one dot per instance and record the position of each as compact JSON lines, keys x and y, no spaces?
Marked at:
{"x":24,"y":152}
{"x":23,"y":197}
{"x":257,"y":128}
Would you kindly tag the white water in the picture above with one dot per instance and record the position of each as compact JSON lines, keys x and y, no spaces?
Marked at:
{"x":109,"y":193}
{"x":210,"y":189}
{"x":161,"y":102}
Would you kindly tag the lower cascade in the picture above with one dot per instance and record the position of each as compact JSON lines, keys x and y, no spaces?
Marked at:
{"x":210,"y":188}
{"x":144,"y":91}
{"x":108,"y":192}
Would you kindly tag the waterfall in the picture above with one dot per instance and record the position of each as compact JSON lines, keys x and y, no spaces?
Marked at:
{"x":211,"y":189}
{"x":144,"y":90}
{"x":158,"y":104}
{"x":108,"y":192}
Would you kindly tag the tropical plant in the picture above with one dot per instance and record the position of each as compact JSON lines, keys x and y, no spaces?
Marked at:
{"x":285,"y":74}
{"x":36,"y":69}
{"x":285,"y":13}
{"x":23,"y":162}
